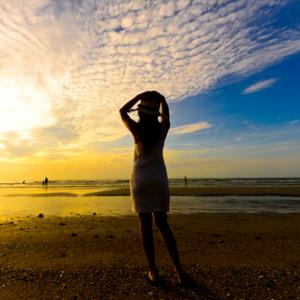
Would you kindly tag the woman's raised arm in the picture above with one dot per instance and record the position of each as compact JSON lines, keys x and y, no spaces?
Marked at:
{"x":126,"y":107}
{"x":129,"y":123}
{"x":165,"y":115}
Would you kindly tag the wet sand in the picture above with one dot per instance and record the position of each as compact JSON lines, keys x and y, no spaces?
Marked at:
{"x":214,"y":191}
{"x":230,"y":256}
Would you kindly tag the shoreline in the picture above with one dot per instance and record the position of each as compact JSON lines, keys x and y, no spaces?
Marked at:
{"x":292,"y":191}
{"x":213,"y":191}
{"x":230,"y":256}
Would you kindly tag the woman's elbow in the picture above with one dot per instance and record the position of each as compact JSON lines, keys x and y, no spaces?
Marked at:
{"x":121,"y":111}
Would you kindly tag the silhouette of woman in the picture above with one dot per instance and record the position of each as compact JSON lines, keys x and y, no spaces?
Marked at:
{"x":149,"y":182}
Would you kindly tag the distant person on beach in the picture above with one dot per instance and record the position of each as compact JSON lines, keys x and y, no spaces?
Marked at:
{"x":185,"y":181}
{"x":149,"y":182}
{"x":46,"y":181}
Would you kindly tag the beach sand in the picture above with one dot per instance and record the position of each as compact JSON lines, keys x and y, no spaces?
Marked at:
{"x":230,"y":256}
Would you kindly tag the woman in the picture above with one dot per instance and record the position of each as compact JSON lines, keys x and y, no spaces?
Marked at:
{"x":149,"y":182}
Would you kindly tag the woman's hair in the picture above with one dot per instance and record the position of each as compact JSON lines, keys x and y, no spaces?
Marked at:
{"x":149,"y":129}
{"x":153,"y":96}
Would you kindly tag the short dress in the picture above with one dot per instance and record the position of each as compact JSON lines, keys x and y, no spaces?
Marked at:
{"x":149,"y":186}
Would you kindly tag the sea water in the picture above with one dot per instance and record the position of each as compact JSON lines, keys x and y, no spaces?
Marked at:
{"x":173,"y":182}
{"x":65,"y":198}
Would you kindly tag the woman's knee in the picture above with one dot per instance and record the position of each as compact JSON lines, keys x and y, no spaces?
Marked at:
{"x":160,"y":219}
{"x":145,"y":219}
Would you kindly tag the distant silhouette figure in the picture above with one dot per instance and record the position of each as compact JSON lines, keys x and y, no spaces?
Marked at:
{"x":43,"y":182}
{"x":24,"y":181}
{"x":149,"y":181}
{"x":46,"y":181}
{"x":185,"y":181}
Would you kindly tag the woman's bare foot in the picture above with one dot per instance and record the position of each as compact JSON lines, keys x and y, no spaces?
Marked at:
{"x":185,"y":281}
{"x":152,"y":277}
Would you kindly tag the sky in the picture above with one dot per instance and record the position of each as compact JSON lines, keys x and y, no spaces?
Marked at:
{"x":228,"y":69}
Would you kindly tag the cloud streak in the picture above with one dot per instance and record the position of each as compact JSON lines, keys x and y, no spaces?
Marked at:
{"x":261,"y":85}
{"x":190,"y":128}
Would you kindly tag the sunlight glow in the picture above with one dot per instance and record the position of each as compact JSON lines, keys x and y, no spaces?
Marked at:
{"x":23,"y":106}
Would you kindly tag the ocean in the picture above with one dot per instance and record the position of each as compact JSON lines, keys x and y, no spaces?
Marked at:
{"x":173,"y":182}
{"x":65,"y":198}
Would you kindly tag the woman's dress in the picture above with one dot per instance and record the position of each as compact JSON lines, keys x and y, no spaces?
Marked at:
{"x":149,"y":185}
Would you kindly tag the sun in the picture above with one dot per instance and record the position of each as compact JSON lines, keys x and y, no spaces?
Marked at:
{"x":23,"y":106}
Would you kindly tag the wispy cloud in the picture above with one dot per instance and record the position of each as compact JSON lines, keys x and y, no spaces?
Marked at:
{"x":258,"y":86}
{"x":190,"y":128}
{"x":81,"y":60}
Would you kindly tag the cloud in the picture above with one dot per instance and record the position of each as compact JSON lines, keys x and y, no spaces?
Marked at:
{"x":190,"y":128}
{"x":258,"y":86}
{"x":81,"y":60}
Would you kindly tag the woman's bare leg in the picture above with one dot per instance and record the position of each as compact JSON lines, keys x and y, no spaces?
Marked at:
{"x":168,"y":237}
{"x":148,"y":244}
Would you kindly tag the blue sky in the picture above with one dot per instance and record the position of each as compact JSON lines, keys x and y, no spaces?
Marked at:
{"x":276,"y":104}
{"x":263,"y":123}
{"x":228,"y":68}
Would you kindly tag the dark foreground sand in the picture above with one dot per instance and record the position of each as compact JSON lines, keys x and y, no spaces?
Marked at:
{"x":231,"y":256}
